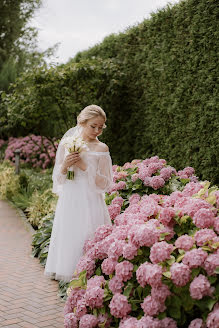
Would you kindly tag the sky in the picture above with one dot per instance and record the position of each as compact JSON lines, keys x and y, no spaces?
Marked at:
{"x":80,"y":24}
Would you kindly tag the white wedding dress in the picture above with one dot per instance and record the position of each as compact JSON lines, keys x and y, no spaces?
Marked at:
{"x":80,"y":208}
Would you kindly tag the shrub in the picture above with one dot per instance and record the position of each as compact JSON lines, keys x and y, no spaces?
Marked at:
{"x":9,"y":181}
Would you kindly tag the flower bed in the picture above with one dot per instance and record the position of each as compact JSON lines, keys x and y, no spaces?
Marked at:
{"x":157,"y":265}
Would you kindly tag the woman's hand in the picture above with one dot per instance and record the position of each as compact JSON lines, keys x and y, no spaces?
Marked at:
{"x":71,"y":159}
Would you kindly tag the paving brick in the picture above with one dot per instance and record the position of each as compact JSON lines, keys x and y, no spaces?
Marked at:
{"x":28,"y":299}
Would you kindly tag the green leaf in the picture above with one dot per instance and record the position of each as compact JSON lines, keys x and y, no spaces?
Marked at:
{"x":217,"y":270}
{"x":98,"y":271}
{"x":128,"y":290}
{"x":167,"y":274}
{"x":171,"y":260}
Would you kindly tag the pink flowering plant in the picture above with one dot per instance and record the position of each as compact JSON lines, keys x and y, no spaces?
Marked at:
{"x":157,"y":265}
{"x":37,"y":151}
{"x":148,"y":176}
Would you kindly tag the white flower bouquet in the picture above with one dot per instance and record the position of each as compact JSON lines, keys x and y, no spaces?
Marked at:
{"x":74,"y":144}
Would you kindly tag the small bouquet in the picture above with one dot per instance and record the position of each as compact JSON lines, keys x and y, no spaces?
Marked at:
{"x":74,"y":144}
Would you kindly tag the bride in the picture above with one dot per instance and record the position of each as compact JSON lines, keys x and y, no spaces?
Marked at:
{"x":81,"y":207}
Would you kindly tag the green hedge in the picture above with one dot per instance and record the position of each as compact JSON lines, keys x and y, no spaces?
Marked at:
{"x":157,"y":82}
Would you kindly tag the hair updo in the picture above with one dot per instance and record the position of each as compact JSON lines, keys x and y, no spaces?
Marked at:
{"x":89,"y":112}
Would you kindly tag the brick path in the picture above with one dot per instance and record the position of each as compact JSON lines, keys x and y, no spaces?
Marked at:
{"x":27,"y":297}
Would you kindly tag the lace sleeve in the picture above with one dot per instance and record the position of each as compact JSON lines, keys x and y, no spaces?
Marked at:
{"x":57,"y":177}
{"x":100,"y":178}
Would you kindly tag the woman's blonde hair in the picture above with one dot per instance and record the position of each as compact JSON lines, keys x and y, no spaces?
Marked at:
{"x":89,"y":112}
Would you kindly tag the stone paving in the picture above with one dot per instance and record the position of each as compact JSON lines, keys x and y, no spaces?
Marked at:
{"x":27,"y":297}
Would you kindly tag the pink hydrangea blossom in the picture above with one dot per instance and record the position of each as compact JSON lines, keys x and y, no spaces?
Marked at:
{"x":160,"y":252}
{"x":180,"y":274}
{"x":195,"y":258}
{"x":196,"y":323}
{"x":204,"y":218}
{"x":191,"y":188}
{"x":95,"y":281}
{"x":148,"y":321}
{"x":151,"y":307}
{"x":114,"y":210}
{"x":70,"y":321}
{"x":134,"y":199}
{"x":119,"y":306}
{"x":143,"y":235}
{"x":102,"y":232}
{"x":135,"y":177}
{"x":81,"y":309}
{"x":118,"y":200}
{"x":94,"y":297}
{"x":85,"y":263}
{"x":168,"y":323}
{"x":213,"y":317}
{"x":88,"y":321}
{"x":166,"y":215}
{"x":116,"y":284}
{"x":157,"y":182}
{"x":108,"y":266}
{"x":148,"y":273}
{"x":166,"y":172}
{"x":160,"y":293}
{"x":129,"y":251}
{"x":124,"y":270}
{"x":116,"y":248}
{"x":184,"y":242}
{"x":75,"y":295}
{"x":129,"y":322}
{"x":211,"y":263}
{"x":203,"y":236}
{"x":200,"y":287}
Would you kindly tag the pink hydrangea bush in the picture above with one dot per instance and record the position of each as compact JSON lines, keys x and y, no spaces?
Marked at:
{"x":156,"y":266}
{"x":37,"y":151}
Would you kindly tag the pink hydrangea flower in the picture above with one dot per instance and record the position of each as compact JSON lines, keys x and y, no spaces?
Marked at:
{"x":213,"y":317}
{"x":70,"y":321}
{"x":95,"y":281}
{"x":88,"y":321}
{"x":124,"y":270}
{"x":196,"y":323}
{"x":184,"y":242}
{"x":160,"y":293}
{"x":129,"y":251}
{"x":135,"y":177}
{"x":160,"y":252}
{"x":102,"y":232}
{"x":200,"y":287}
{"x":118,"y":200}
{"x":148,"y":321}
{"x":134,"y":199}
{"x":129,"y":322}
{"x":191,"y":188}
{"x":211,"y":263}
{"x":166,"y":215}
{"x":108,"y":266}
{"x":166,"y":172}
{"x":75,"y":295}
{"x":204,"y":218}
{"x":94,"y":297}
{"x":168,"y":323}
{"x":116,"y":285}
{"x":143,"y":235}
{"x":119,"y":306}
{"x":203,"y":236}
{"x":157,"y":182}
{"x":148,"y":273}
{"x":85,"y":263}
{"x":114,"y":210}
{"x":180,"y":274}
{"x":115,"y":250}
{"x":151,"y":307}
{"x":195,"y":258}
{"x":81,"y":309}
